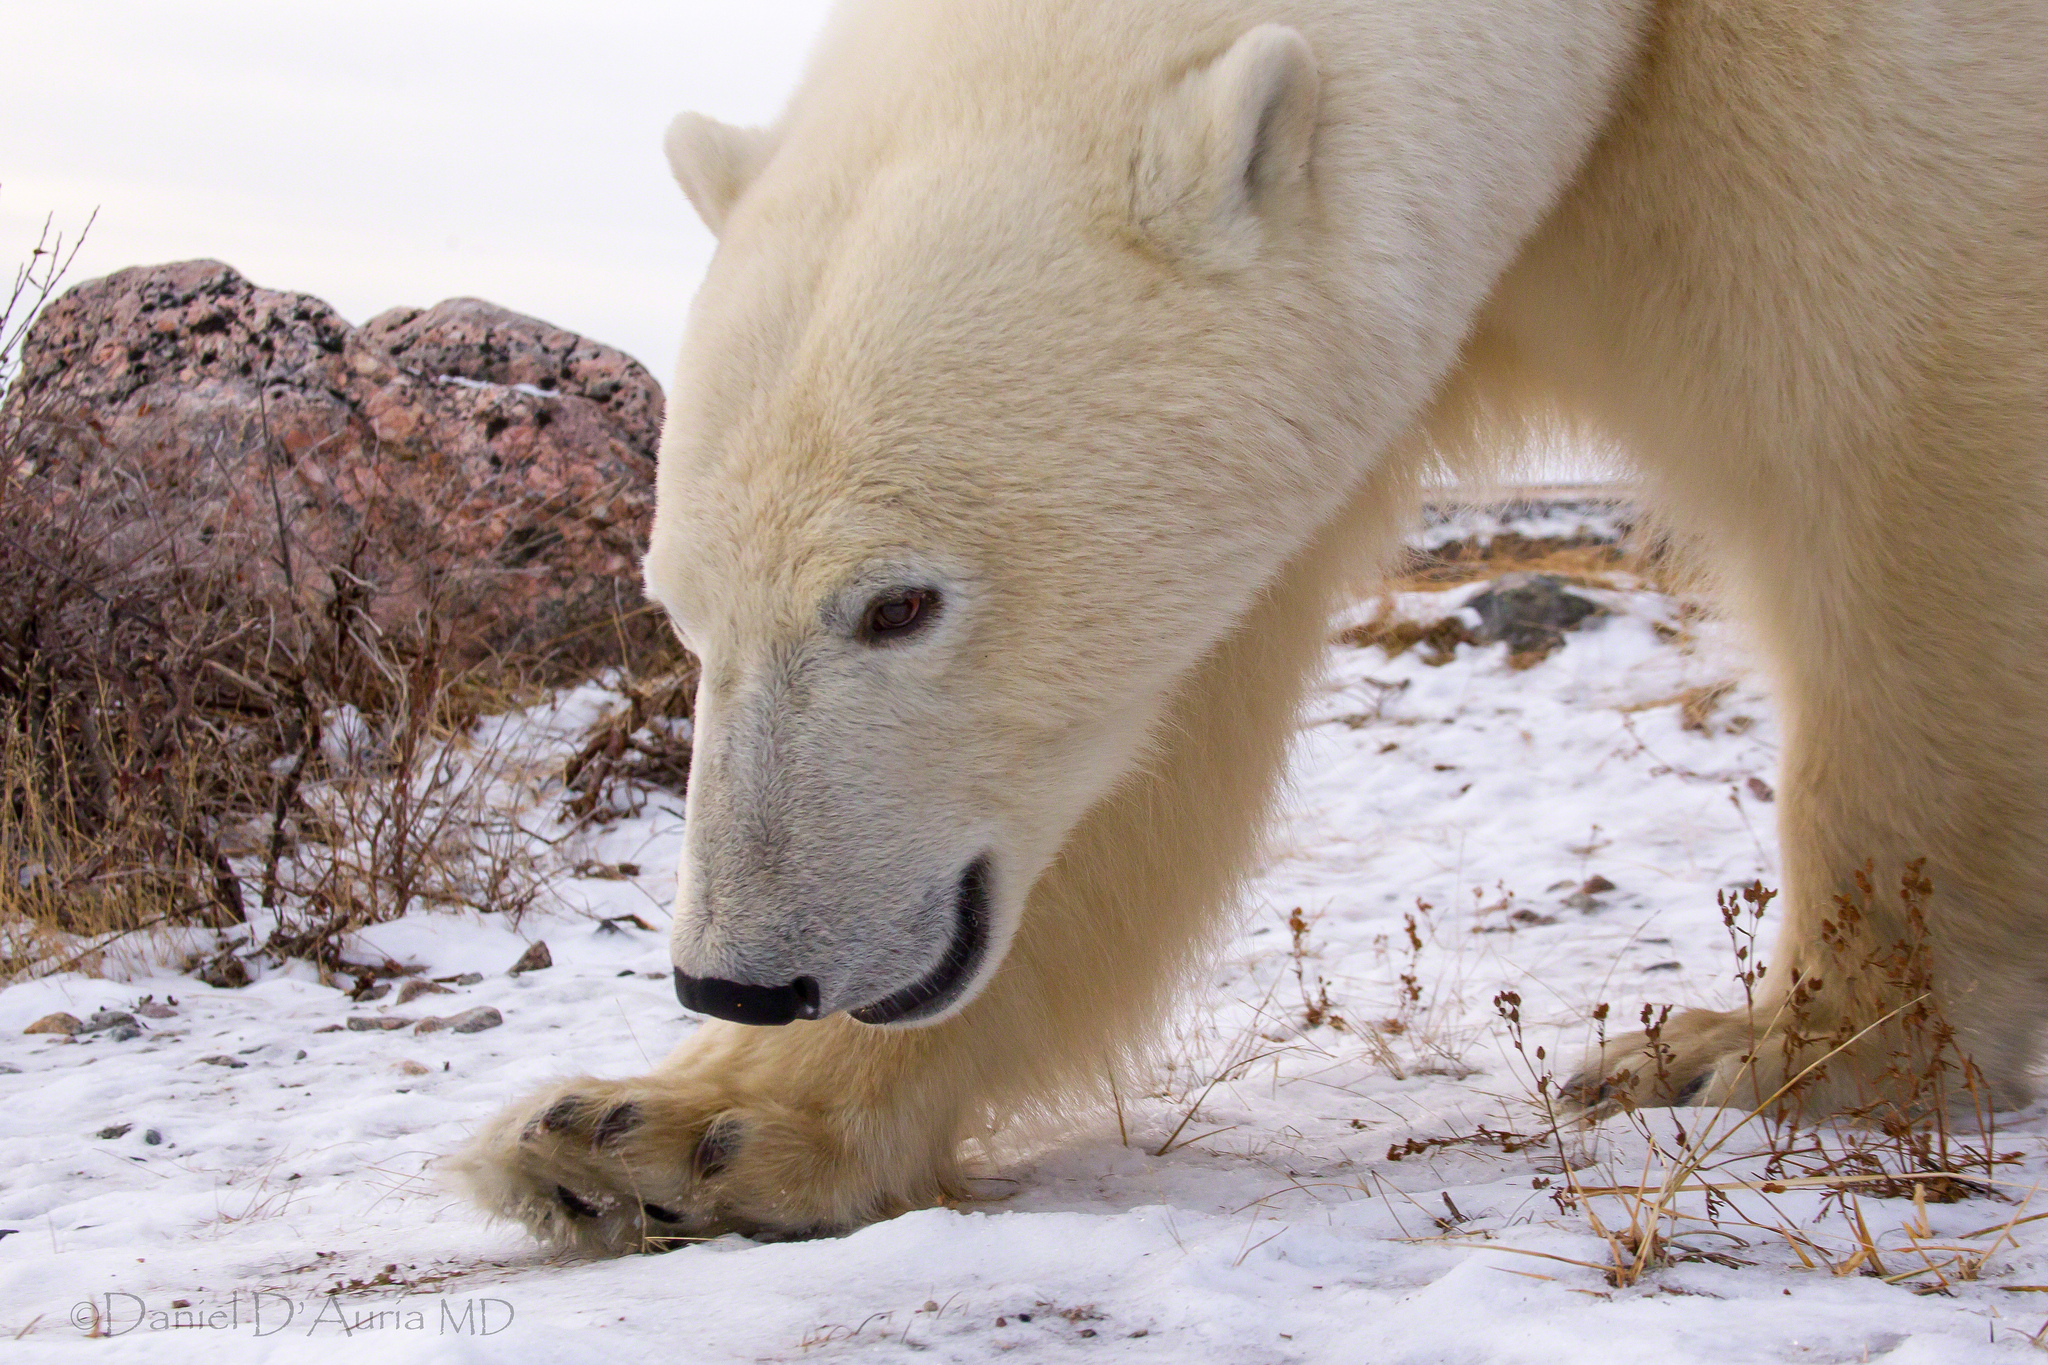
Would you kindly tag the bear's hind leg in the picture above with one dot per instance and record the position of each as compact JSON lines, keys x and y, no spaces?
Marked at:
{"x":1896,"y":591}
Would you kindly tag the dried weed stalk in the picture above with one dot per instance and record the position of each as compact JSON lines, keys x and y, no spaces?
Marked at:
{"x":1926,"y":1133}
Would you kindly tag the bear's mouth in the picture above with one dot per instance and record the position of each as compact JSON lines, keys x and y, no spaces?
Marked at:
{"x":943,"y":983}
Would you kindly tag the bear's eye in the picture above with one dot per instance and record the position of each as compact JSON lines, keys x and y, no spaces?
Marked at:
{"x":897,"y":614}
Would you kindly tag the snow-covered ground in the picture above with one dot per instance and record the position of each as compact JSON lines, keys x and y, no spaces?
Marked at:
{"x":248,"y":1180}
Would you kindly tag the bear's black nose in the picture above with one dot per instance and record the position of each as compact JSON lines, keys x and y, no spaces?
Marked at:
{"x":748,"y":1004}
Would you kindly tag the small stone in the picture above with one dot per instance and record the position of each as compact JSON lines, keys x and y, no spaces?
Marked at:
{"x":476,"y":1020}
{"x":121,"y":1033}
{"x":533,"y":959}
{"x":9,"y":1069}
{"x":331,"y":1028}
{"x":415,"y":988}
{"x":151,"y":1009}
{"x":1583,"y":898}
{"x":410,"y":1067}
{"x":379,"y":1023}
{"x":1761,"y":789}
{"x":112,"y":1131}
{"x":60,"y":1022}
{"x":469,"y":1021}
{"x":152,"y":1137}
{"x":102,"y":1020}
{"x":222,"y":1059}
{"x":466,"y":979}
{"x":301,"y":1057}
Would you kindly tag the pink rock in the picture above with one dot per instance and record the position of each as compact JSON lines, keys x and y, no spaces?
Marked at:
{"x":461,"y":455}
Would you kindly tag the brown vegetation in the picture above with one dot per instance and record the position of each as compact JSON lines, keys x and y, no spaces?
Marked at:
{"x":1926,"y":1133}
{"x":206,"y":724}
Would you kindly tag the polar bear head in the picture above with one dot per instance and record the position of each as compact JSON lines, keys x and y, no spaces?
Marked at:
{"x":989,"y":424}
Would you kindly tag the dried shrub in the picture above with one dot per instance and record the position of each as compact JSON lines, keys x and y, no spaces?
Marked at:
{"x":162,"y":721}
{"x":646,"y":745}
{"x":1923,"y":1129}
{"x":206,"y":726}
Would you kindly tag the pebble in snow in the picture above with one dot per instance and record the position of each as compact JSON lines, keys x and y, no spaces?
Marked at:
{"x":533,"y":959}
{"x":469,"y":1021}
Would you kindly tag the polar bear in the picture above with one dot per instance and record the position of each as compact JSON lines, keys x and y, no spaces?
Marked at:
{"x":1062,"y":360}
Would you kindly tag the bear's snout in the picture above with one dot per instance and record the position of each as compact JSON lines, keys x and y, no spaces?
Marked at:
{"x":861,"y":969}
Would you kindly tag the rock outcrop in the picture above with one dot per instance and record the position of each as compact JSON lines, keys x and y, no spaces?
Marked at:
{"x":462,"y":462}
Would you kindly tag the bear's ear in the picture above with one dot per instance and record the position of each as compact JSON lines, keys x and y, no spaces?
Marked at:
{"x":715,"y":162}
{"x":1228,"y":145}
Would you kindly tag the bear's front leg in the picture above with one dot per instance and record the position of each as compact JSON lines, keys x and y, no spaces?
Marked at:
{"x":785,"y":1132}
{"x":821,"y":1126}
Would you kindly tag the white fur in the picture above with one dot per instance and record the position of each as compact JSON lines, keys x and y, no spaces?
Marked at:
{"x":1128,"y":327}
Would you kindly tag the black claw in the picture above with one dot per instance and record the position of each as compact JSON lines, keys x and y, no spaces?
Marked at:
{"x":618,"y":1121}
{"x":562,"y":1114}
{"x":568,"y":1200}
{"x":659,"y":1214}
{"x":721,"y":1141}
{"x":1692,"y":1090}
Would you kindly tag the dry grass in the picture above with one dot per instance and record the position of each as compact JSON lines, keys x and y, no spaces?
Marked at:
{"x":1584,"y":560}
{"x":104,"y":794}
{"x":1396,"y":634}
{"x":1637,"y":559}
{"x":157,"y":705}
{"x":1926,"y":1133}
{"x":1413,"y":1025}
{"x":1640,"y":558}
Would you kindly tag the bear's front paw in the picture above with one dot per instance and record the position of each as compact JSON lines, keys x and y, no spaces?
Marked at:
{"x":645,"y":1164}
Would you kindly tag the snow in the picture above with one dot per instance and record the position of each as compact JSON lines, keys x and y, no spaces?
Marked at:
{"x":530,"y":390}
{"x":1276,"y":1225}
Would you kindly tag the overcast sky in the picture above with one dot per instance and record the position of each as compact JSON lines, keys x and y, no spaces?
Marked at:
{"x":383,"y":152}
